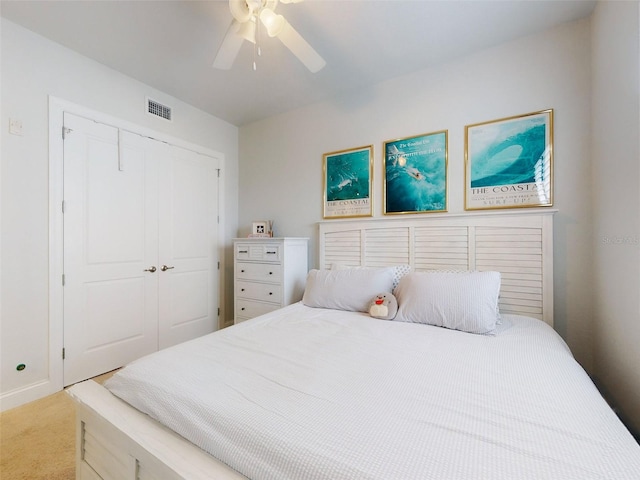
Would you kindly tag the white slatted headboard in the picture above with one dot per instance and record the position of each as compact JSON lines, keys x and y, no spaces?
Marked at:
{"x":518,"y":245}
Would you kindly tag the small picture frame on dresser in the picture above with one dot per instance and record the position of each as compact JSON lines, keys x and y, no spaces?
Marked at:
{"x":261,"y":228}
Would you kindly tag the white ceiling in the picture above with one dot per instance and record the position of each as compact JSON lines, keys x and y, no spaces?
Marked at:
{"x":170,"y":45}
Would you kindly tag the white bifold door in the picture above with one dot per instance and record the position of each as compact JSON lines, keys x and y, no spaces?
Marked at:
{"x":140,"y":246}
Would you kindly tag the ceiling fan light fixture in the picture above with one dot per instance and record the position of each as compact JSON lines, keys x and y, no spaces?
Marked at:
{"x":274,"y":23}
{"x":245,"y":27}
{"x":240,"y":10}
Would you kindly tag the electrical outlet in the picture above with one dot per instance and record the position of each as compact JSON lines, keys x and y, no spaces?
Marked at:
{"x":15,"y":126}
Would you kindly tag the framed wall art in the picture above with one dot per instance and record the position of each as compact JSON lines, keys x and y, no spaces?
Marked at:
{"x":509,"y":162}
{"x":415,"y":174}
{"x":348,"y":182}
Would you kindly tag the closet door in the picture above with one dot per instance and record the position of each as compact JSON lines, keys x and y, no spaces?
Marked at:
{"x":110,"y":246}
{"x":140,"y":247}
{"x":188,"y":256}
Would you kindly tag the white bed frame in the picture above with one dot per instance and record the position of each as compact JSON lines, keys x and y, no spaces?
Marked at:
{"x":519,"y":245}
{"x":115,"y":441}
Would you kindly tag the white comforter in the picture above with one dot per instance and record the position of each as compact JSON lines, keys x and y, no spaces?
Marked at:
{"x":307,"y":393}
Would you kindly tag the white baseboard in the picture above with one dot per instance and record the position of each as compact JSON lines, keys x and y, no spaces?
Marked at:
{"x":26,"y":394}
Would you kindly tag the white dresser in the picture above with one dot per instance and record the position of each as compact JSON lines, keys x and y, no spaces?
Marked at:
{"x":269,"y":273}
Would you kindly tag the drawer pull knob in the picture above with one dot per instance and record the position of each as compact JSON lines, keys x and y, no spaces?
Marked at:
{"x":270,"y":273}
{"x":242,"y":271}
{"x":270,"y":293}
{"x":242,"y":289}
{"x":243,"y":251}
{"x":242,"y":308}
{"x":271,"y":253}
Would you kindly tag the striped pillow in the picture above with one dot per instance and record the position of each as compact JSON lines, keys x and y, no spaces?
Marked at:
{"x":398,"y":271}
{"x":466,"y":301}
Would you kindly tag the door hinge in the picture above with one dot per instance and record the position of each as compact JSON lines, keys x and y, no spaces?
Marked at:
{"x":218,"y":311}
{"x":218,"y":265}
{"x":65,"y":131}
{"x":63,"y":353}
{"x":62,"y":206}
{"x":63,"y":279}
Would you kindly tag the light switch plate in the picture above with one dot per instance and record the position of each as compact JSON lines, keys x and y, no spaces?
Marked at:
{"x":15,"y":126}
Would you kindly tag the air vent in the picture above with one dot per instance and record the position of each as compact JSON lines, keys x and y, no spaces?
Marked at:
{"x":159,"y":110}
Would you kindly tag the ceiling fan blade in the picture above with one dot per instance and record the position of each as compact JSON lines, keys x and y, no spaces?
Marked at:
{"x":277,"y":26}
{"x":230,"y":47}
{"x":300,"y":48}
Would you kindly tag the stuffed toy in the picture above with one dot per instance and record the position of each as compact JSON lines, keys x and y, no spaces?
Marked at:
{"x":383,"y":306}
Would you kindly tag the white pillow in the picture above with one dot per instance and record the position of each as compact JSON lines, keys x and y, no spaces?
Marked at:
{"x":399,"y":271}
{"x":350,"y":289}
{"x":466,"y":301}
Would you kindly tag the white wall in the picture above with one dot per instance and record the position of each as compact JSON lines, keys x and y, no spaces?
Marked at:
{"x":616,"y":202}
{"x":281,"y":157}
{"x":32,"y":69}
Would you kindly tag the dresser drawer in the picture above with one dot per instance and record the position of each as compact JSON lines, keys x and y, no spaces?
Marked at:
{"x":267,"y":292}
{"x":260,"y":253}
{"x":259,"y":271}
{"x":248,"y":309}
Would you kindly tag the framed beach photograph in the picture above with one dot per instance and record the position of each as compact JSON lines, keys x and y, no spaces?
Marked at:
{"x":509,"y":162}
{"x":415,"y":174}
{"x":348,"y":182}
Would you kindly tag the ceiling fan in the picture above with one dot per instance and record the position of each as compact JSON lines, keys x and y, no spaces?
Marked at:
{"x":246,"y":14}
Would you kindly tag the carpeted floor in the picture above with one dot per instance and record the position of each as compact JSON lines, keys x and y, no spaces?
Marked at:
{"x":37,"y":440}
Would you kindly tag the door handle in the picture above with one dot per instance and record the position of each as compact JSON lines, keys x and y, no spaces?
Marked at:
{"x":164,"y":268}
{"x":152,"y":269}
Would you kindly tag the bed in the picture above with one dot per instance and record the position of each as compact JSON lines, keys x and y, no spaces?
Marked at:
{"x":482,"y":389}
